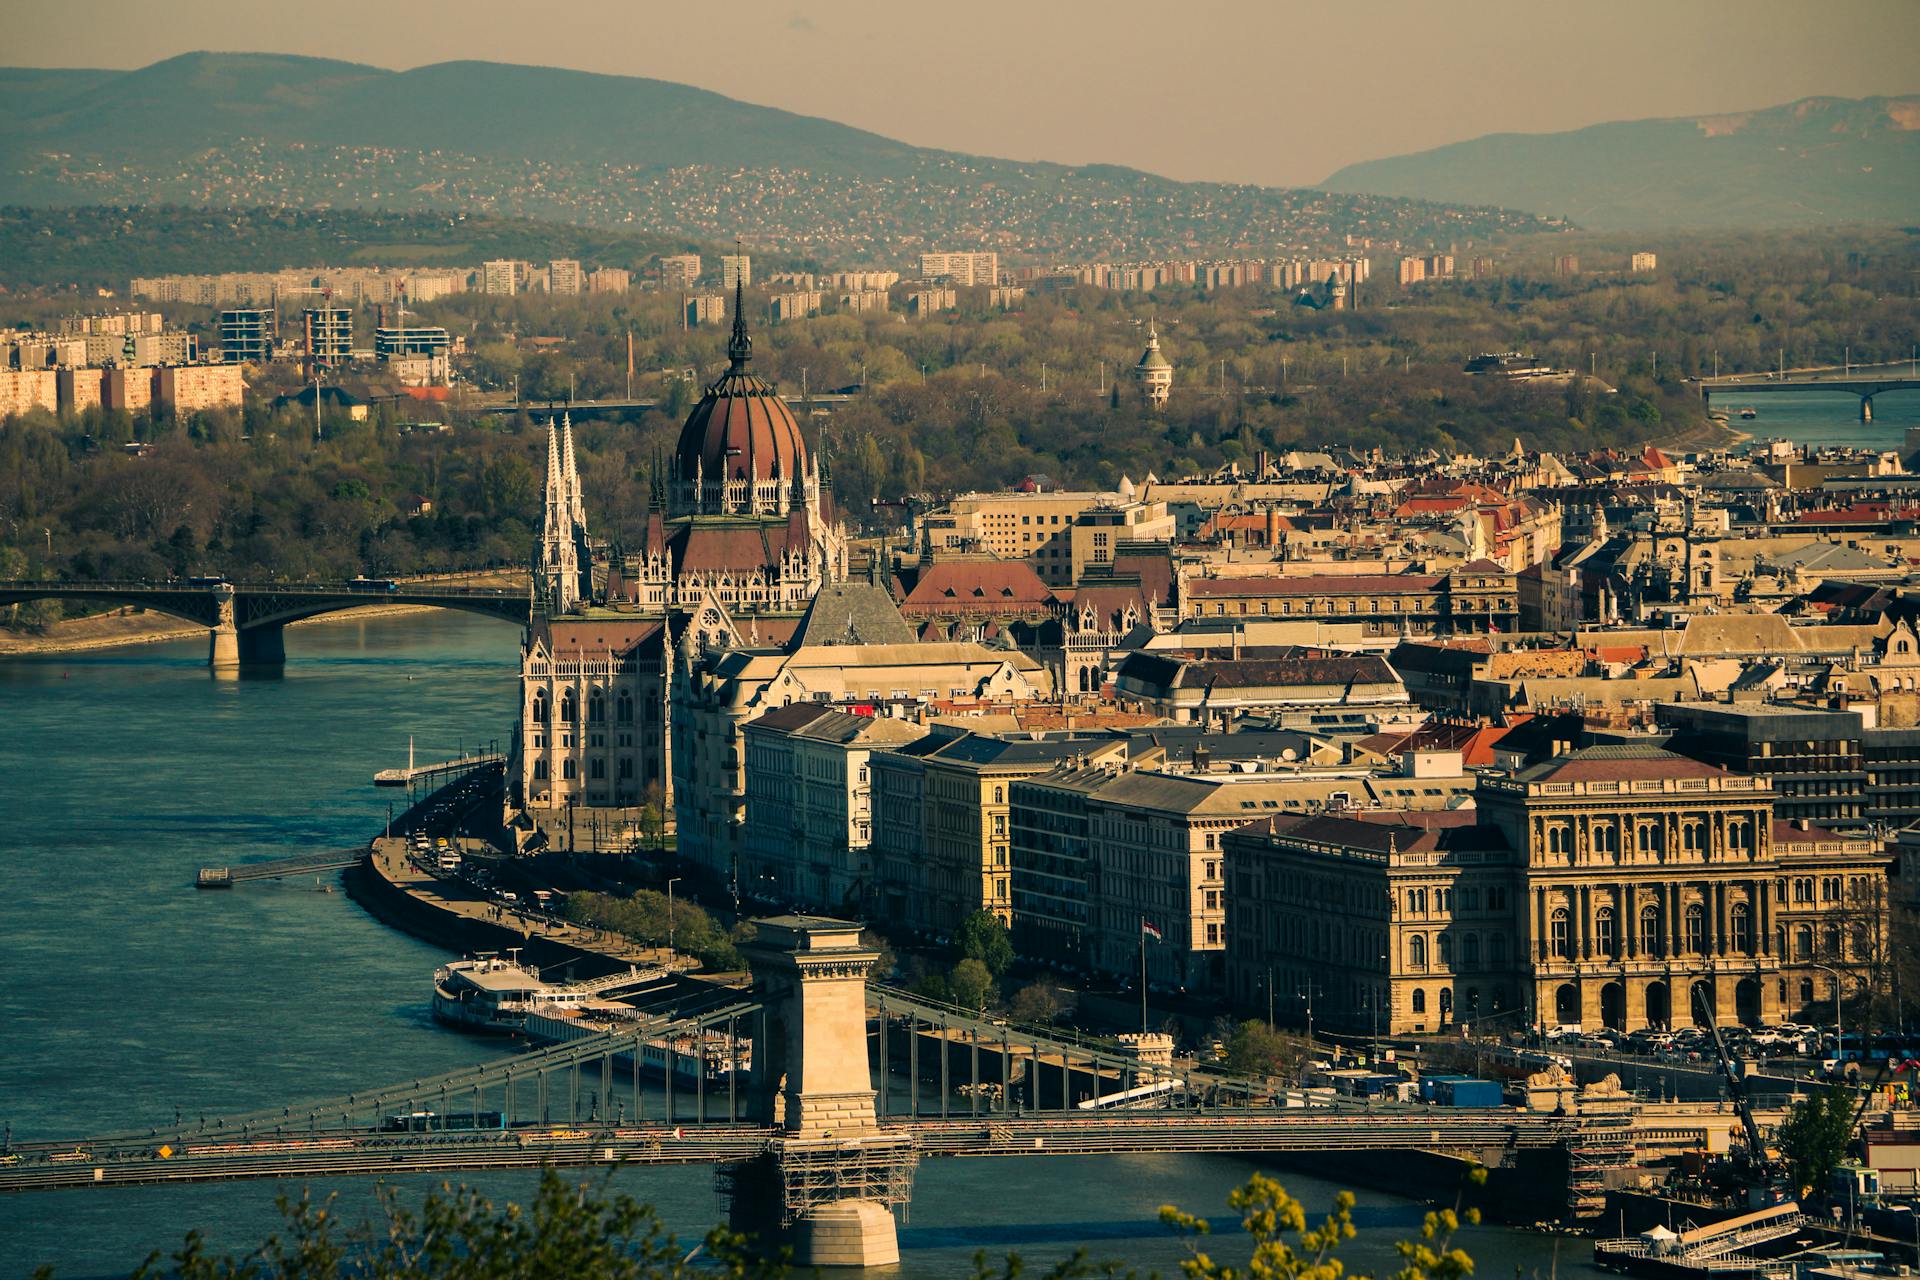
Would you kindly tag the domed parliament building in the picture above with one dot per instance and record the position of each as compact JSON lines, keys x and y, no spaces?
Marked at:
{"x":747,"y":538}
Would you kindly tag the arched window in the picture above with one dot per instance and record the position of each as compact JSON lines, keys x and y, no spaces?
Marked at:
{"x":1606,"y":838}
{"x":1416,"y":952}
{"x":1606,"y":932}
{"x":1806,"y":991}
{"x":1559,"y":838}
{"x":1446,"y":1003}
{"x":1651,"y":837}
{"x":1696,"y":928}
{"x":1803,"y":942}
{"x":540,"y":707}
{"x":1419,"y":1000}
{"x":1444,"y":944}
{"x":623,"y":709}
{"x":1650,"y":930}
{"x":1830,"y":942}
{"x":567,"y":709}
{"x":1470,"y":951}
{"x":1558,"y":937}
{"x":1693,"y":836}
{"x":596,"y":710}
{"x":540,"y":770}
{"x":1497,"y":949}
{"x":1739,"y":835}
{"x":1740,"y":929}
{"x":999,"y":795}
{"x":567,"y":769}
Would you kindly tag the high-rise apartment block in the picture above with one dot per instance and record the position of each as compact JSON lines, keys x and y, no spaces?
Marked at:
{"x":736,"y":270}
{"x":609,"y":280}
{"x":706,"y":308}
{"x":500,"y":276}
{"x":1412,"y":270}
{"x":864,"y":300}
{"x":563,"y":276}
{"x":327,"y":334}
{"x":246,"y":335}
{"x":961,"y":268}
{"x":928,"y":301}
{"x":680,"y":271}
{"x":795,"y":306}
{"x":861,"y":281}
{"x":1645,"y":262}
{"x":1482,"y":268}
{"x":1566,"y":264}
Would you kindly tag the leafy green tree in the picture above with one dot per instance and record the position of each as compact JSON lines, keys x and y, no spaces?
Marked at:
{"x":1813,"y":1138}
{"x":1256,"y":1049}
{"x":972,"y":984}
{"x":984,"y":938}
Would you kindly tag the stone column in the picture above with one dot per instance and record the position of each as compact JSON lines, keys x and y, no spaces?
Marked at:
{"x":223,"y":648}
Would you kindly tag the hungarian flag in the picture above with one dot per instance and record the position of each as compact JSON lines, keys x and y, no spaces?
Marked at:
{"x":1146,"y":927}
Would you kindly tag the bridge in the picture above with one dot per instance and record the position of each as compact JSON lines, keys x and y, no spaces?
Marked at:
{"x":246,"y":621}
{"x":1865,"y":381}
{"x":811,"y":1150}
{"x":639,"y":404}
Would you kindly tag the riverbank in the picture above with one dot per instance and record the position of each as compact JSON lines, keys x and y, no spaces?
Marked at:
{"x":131,"y":625}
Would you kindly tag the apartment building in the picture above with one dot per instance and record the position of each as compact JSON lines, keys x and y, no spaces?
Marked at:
{"x":609,"y":280}
{"x":736,"y":271}
{"x":564,"y":276}
{"x":961,"y":268}
{"x":1477,"y":597}
{"x":809,"y":816}
{"x":926,"y":302}
{"x":706,"y":308}
{"x":500,"y":276}
{"x":679,"y":271}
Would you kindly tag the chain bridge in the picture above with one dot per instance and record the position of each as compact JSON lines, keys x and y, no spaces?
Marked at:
{"x":246,"y":621}
{"x":814,"y":1092}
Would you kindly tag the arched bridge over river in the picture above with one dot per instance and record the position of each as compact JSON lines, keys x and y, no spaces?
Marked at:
{"x":245,"y":621}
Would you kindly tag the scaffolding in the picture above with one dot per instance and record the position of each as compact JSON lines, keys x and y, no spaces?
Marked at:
{"x":808,"y":1174}
{"x":1603,"y":1144}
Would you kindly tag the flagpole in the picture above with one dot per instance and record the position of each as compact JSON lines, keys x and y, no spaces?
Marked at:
{"x":1143,"y":975}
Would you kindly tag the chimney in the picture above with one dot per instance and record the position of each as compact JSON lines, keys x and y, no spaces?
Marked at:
{"x":1273,"y":526}
{"x":1200,"y":759}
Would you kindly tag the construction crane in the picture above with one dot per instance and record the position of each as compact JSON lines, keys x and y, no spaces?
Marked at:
{"x":1736,"y":1087}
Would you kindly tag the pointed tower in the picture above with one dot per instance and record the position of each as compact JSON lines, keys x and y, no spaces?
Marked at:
{"x":1154,"y":372}
{"x":576,"y":511}
{"x":556,"y":569}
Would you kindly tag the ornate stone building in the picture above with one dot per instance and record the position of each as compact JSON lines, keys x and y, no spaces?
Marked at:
{"x":1620,"y":886}
{"x":748,"y":517}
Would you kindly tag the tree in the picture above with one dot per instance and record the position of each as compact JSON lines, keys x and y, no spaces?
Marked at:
{"x":1256,"y":1049}
{"x":984,"y":938}
{"x":1814,"y":1136}
{"x":971,"y":983}
{"x":1036,"y":1002}
{"x":580,"y":1229}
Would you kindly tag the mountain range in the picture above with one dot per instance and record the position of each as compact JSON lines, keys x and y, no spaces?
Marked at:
{"x":267,"y":130}
{"x":1815,"y":162}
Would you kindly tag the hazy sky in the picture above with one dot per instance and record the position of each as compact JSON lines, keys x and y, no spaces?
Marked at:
{"x":1272,"y":91}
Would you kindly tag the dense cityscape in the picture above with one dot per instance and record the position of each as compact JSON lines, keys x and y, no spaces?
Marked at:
{"x":1181,"y":694}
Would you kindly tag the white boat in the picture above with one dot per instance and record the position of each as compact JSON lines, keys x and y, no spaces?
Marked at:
{"x":491,"y":993}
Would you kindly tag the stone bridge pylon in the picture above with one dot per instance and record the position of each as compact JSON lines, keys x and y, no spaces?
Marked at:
{"x":833,"y":1176}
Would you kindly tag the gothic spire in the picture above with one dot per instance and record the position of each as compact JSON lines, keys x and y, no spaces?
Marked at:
{"x":739,"y":346}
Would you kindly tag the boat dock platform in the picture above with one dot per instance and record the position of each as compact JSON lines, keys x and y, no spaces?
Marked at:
{"x":437,"y":771}
{"x":227,"y":877}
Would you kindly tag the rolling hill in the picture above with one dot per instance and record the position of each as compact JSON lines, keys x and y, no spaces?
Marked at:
{"x":266,"y":130}
{"x":1815,"y":162}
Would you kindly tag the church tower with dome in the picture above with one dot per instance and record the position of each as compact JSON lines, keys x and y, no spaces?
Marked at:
{"x":747,"y":515}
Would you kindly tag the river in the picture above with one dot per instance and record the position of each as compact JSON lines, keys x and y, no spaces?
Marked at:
{"x":1821,"y":418}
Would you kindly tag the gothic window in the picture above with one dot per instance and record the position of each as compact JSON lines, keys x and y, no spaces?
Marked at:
{"x":599,"y":768}
{"x":566,"y":707}
{"x":540,"y":707}
{"x":1650,"y":930}
{"x":596,"y":710}
{"x":1416,"y":952}
{"x":540,"y":770}
{"x":1559,"y":938}
{"x":626,"y":767}
{"x":1740,"y":929}
{"x":623,"y":709}
{"x":1696,"y":928}
{"x":1606,"y":936}
{"x":567,"y":769}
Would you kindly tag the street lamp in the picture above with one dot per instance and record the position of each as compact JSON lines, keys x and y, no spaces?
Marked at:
{"x":674,"y":881}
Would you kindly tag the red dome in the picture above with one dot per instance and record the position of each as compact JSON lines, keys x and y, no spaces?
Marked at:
{"x":741,"y":429}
